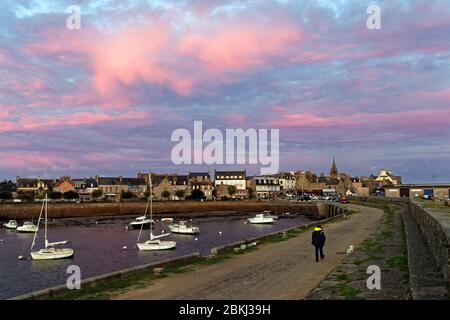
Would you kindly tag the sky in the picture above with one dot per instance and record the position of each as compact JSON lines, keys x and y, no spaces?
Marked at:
{"x":104,"y":99}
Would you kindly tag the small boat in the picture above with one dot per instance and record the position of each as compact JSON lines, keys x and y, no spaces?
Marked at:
{"x":167,"y":220}
{"x":261,"y":219}
{"x":141,"y":222}
{"x":11,"y":224}
{"x":49,"y":252}
{"x":153,"y":244}
{"x":184,"y":227}
{"x":269,"y":214}
{"x":27,"y":227}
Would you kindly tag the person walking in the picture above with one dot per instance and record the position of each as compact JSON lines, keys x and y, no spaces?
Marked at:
{"x":318,"y":241}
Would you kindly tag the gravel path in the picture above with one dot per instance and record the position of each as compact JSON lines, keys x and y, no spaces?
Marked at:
{"x":284,"y":270}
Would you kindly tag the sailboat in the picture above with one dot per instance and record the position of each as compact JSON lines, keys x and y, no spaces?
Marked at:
{"x":49,"y":252}
{"x":154,"y":244}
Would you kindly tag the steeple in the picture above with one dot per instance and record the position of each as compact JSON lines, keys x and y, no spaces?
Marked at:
{"x":334,"y":171}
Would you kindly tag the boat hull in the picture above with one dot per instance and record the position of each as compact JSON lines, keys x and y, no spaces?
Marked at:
{"x":258,"y":221}
{"x":156,"y":245}
{"x":181,"y":230}
{"x":26,"y":230}
{"x":140,"y":225}
{"x":52,"y":254}
{"x":8,"y":226}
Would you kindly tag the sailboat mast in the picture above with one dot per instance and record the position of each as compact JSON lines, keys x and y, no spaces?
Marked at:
{"x":151,"y":208}
{"x":46,"y":209}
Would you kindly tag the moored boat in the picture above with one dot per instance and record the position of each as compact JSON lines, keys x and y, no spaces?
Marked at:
{"x":261,"y":218}
{"x":27,"y":227}
{"x":49,"y":252}
{"x":11,"y":224}
{"x":153,"y":244}
{"x":184,"y":227}
{"x":141,"y":222}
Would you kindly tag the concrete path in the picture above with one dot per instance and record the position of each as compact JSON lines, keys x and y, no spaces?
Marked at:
{"x":285,"y":270}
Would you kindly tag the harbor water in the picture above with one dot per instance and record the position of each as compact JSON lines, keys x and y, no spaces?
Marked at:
{"x":99,"y":249}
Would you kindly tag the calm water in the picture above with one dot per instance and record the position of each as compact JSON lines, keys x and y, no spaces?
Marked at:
{"x":99,"y":249}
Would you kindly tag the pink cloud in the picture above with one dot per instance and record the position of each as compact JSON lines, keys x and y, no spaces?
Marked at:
{"x":410,"y":120}
{"x":233,"y":46}
{"x":236,"y":118}
{"x":29,"y":123}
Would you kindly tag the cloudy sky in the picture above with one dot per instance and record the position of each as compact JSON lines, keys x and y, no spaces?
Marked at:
{"x":105,"y":99}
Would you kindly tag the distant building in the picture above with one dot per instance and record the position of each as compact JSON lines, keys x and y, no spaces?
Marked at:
{"x":287,"y":182}
{"x":386,"y":177}
{"x":36,"y":185}
{"x":85,"y":187}
{"x":201,"y":181}
{"x":265,"y":187}
{"x":113,"y":187}
{"x":63,"y":185}
{"x":224,"y":179}
{"x":7,"y":186}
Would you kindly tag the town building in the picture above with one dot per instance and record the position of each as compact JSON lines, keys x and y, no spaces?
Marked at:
{"x":36,"y":185}
{"x":113,"y":187}
{"x":287,"y":182}
{"x":265,"y":187}
{"x":386,"y":177}
{"x":63,"y":185}
{"x":224,"y":179}
{"x":201,"y":181}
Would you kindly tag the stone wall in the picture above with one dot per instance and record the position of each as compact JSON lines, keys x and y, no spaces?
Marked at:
{"x":435,"y":225}
{"x":22,"y":211}
{"x":182,"y":209}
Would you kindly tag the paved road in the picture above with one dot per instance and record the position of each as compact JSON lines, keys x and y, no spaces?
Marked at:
{"x":285,"y":270}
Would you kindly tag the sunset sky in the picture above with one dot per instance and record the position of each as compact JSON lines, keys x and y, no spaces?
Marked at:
{"x":105,"y":99}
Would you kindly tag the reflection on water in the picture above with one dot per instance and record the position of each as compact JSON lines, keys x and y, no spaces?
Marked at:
{"x":99,"y":249}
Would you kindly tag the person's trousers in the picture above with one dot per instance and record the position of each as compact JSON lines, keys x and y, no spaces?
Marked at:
{"x":319,"y":249}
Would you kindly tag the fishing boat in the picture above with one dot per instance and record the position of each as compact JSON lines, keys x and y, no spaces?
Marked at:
{"x":184,"y":227}
{"x":11,"y":224}
{"x":27,"y":227}
{"x":154,"y":243}
{"x":167,"y":220}
{"x":141,"y":222}
{"x":49,"y":252}
{"x":261,"y":218}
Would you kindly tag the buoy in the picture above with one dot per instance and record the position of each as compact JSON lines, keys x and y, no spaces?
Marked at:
{"x":96,"y":222}
{"x":196,"y":239}
{"x":1,"y":240}
{"x":220,"y":232}
{"x":124,"y":247}
{"x":126,"y":228}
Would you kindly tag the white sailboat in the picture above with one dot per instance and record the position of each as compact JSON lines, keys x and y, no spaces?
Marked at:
{"x":49,"y":252}
{"x":154,"y":243}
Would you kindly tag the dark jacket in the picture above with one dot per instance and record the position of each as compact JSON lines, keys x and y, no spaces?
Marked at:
{"x":318,"y":237}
